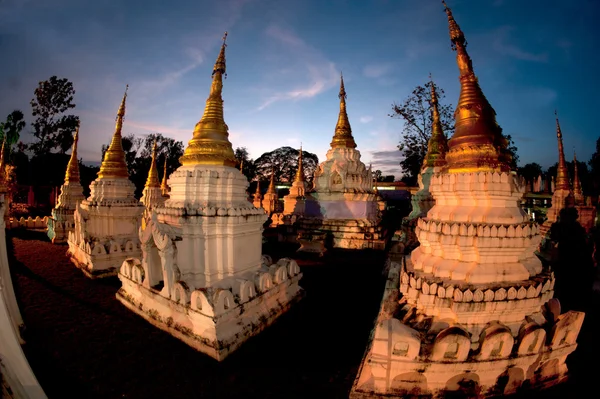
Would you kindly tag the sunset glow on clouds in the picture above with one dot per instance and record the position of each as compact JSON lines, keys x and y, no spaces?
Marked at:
{"x":284,"y":60}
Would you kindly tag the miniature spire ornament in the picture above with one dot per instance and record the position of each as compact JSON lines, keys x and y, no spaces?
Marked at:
{"x":562,"y":173}
{"x":343,"y":131}
{"x":114,"y":165}
{"x":72,"y":174}
{"x":300,"y":172}
{"x":477,"y":143}
{"x":271,"y":188}
{"x":210,"y":144}
{"x":164,"y":188}
{"x":437,"y":146}
{"x":577,"y":190}
{"x":152,"y":180}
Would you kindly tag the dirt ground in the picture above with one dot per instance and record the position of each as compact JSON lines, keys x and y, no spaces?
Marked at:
{"x":81,"y":342}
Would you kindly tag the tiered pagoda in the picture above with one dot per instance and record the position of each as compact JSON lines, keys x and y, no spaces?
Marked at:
{"x":107,"y":222}
{"x":202,"y":277}
{"x":471,"y":311}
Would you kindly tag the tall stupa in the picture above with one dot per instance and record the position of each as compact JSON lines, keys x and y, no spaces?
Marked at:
{"x":202,"y":277}
{"x":62,"y":220}
{"x":107,"y":222}
{"x":470,"y":311}
{"x":343,"y":202}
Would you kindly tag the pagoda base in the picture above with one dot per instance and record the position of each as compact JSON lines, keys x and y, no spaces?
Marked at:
{"x":343,"y":233}
{"x":96,"y":262}
{"x":212,"y":320}
{"x":415,"y":355}
{"x":59,"y":225}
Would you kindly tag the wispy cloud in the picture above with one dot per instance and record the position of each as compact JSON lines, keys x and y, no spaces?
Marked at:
{"x":504,"y":44}
{"x":366,"y":119}
{"x":321,"y":74}
{"x":377,"y":70}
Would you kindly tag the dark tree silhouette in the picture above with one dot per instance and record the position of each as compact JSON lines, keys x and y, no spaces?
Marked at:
{"x":11,"y":129}
{"x":415,"y":111}
{"x":52,"y":128}
{"x":284,"y":161}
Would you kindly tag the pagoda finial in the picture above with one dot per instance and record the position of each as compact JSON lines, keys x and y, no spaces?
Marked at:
{"x":343,"y":132}
{"x":300,"y":172}
{"x":164,"y":188}
{"x":210,"y":143}
{"x":114,"y":165}
{"x":257,"y":188}
{"x":72,"y":174}
{"x":562,"y":173}
{"x":437,"y":146}
{"x":271,"y":188}
{"x":577,"y":190}
{"x":477,"y":143}
{"x":152,"y":180}
{"x":242,"y":166}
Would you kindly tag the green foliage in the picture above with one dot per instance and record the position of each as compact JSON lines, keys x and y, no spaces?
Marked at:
{"x":284,"y":161}
{"x":15,"y":122}
{"x":52,"y":128}
{"x":530,"y":172}
{"x":416,"y":112}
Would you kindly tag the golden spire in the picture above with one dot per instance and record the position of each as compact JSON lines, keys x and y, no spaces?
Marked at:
{"x":271,"y":188}
{"x":163,"y":186}
{"x":437,"y":146}
{"x":72,"y":174}
{"x":343,"y":132}
{"x":577,"y":190}
{"x":152,"y":180}
{"x":477,"y":143}
{"x":210,"y":144}
{"x":257,"y":194}
{"x":113,"y":165}
{"x":300,"y":172}
{"x":562,"y":173}
{"x":242,"y":166}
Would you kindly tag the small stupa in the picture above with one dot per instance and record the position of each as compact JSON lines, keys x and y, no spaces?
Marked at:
{"x":107,"y":222}
{"x":470,"y":312}
{"x":295,"y":202}
{"x":62,"y":220}
{"x":258,"y":197}
{"x":270,"y":201}
{"x":152,"y":195}
{"x":435,"y":158}
{"x":202,"y":276}
{"x":562,"y":196}
{"x":343,"y":202}
{"x":585,"y":211}
{"x":578,"y":197}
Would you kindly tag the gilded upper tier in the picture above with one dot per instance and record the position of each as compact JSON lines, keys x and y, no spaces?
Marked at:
{"x":114,"y":165}
{"x":477,"y":143}
{"x":210,"y":144}
{"x":343,"y":132}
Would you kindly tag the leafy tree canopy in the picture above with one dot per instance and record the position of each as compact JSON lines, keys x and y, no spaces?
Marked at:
{"x":284,"y":161}
{"x":52,"y":128}
{"x":416,"y":112}
{"x":11,"y":128}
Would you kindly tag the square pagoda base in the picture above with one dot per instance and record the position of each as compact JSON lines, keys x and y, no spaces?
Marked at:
{"x":217,"y":330}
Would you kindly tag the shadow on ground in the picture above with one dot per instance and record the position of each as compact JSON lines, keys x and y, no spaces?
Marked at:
{"x":81,"y":342}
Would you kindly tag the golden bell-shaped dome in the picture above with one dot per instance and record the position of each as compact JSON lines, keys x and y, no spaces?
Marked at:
{"x":113,"y":164}
{"x":210,"y":144}
{"x":343,"y":132}
{"x":72,"y":174}
{"x":477,"y":143}
{"x":152,"y":180}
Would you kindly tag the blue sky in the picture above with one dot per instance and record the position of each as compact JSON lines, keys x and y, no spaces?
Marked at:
{"x":284,"y":58}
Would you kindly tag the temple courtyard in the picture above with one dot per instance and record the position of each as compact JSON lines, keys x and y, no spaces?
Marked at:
{"x":81,"y":342}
